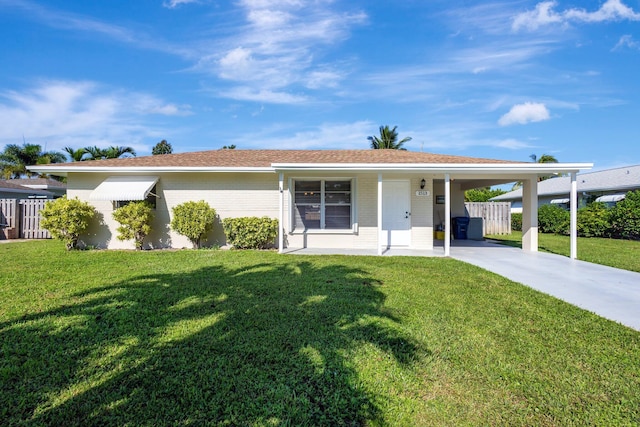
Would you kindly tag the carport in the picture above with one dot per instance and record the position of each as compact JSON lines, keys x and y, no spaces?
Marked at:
{"x":466,"y":177}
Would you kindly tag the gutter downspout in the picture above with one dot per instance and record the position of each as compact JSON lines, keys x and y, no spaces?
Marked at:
{"x":573,"y":207}
{"x":379,"y":212}
{"x":447,"y":214}
{"x":281,"y":213}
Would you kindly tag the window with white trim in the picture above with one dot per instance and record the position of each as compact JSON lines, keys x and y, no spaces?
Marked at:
{"x":322,"y":204}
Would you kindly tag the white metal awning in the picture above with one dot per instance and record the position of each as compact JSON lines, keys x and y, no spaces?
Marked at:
{"x":610,"y":198}
{"x":559,"y":201}
{"x":120,"y":188}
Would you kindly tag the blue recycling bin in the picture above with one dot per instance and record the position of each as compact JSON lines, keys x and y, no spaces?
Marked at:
{"x":460,"y":227}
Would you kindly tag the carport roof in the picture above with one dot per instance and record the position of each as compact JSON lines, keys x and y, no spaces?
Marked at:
{"x":619,"y":179}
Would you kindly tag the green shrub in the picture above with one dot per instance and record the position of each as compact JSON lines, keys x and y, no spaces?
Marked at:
{"x":625,"y":217}
{"x":193,"y":220}
{"x":553,"y":219}
{"x":135,"y":221}
{"x":593,"y":221}
{"x":66,"y":219}
{"x":516,"y":222}
{"x":250,"y":232}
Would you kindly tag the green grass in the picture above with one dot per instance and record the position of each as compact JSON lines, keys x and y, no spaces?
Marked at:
{"x":236,"y":338}
{"x":624,"y":254}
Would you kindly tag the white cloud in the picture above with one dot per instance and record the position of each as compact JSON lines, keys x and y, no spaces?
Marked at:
{"x":544,"y":14}
{"x":76,"y":22}
{"x":246,"y":93}
{"x":611,"y":10}
{"x":60,"y":113}
{"x":525,"y":113}
{"x":627,"y":41}
{"x":511,"y":144}
{"x":172,"y":4}
{"x":277,"y":47}
{"x":347,"y":135}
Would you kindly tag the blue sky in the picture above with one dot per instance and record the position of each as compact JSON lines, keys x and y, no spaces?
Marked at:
{"x":485,"y":79}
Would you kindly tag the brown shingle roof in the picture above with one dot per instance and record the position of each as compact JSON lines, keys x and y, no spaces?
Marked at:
{"x":265,"y":158}
{"x":39,"y":181}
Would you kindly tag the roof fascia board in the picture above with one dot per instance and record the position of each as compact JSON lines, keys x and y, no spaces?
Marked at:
{"x":461,"y":168}
{"x":147,"y":169}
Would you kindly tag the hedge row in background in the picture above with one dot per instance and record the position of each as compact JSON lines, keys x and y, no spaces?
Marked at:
{"x":621,"y":221}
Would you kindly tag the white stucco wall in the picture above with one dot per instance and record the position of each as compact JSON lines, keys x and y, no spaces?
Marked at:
{"x":253,"y":194}
{"x":230,"y":194}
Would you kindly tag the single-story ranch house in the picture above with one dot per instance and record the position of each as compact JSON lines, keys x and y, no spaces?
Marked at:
{"x":360,"y":199}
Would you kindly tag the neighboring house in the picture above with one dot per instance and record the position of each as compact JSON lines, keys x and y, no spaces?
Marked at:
{"x":57,"y":188}
{"x":360,"y":199}
{"x":608,"y":186}
{"x":10,"y":189}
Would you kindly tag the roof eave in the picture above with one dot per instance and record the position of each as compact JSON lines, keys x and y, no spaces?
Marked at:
{"x":533,"y":168}
{"x":62,"y":171}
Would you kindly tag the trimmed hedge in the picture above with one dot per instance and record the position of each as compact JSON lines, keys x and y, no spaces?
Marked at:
{"x":553,"y":219}
{"x":625,"y":217}
{"x":135,"y":222}
{"x":66,"y":219}
{"x":594,"y":221}
{"x":251,"y":232}
{"x":193,"y":220}
{"x":516,"y":221}
{"x":622,"y":221}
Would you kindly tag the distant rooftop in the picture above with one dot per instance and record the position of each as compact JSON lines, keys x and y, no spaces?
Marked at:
{"x":619,"y":179}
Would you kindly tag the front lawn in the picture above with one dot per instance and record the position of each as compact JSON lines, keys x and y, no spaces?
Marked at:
{"x":624,"y":254}
{"x":260,"y":339}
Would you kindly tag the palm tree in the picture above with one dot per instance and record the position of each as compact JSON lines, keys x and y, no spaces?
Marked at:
{"x":545,"y":158}
{"x":388,"y":139}
{"x":162,"y":147}
{"x":113,"y":152}
{"x":76,"y":155}
{"x":15,"y":159}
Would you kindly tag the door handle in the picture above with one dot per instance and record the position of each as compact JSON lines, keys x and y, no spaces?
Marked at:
{"x":407,"y":214}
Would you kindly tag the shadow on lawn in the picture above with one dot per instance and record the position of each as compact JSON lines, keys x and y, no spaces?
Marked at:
{"x":266,"y":344}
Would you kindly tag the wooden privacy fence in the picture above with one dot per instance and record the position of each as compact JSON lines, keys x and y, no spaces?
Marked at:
{"x":496,"y":216}
{"x":20,"y":219}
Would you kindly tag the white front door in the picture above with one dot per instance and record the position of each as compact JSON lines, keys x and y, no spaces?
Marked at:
{"x":396,"y":213}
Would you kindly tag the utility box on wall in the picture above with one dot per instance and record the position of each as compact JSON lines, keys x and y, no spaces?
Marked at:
{"x":474,"y":230}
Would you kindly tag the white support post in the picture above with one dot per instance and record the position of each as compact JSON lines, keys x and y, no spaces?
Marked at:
{"x":447,"y":214}
{"x":530,"y":214}
{"x":281,"y":214}
{"x":379,"y":213}
{"x":573,"y":207}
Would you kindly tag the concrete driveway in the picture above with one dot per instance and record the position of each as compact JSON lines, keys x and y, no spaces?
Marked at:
{"x":609,"y":292}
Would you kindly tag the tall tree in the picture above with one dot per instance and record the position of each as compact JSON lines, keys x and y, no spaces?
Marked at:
{"x":113,"y":152}
{"x":388,"y":139}
{"x":15,"y":159}
{"x":162,"y":147}
{"x":545,"y":158}
{"x":116,"y":151}
{"x":76,"y":155}
{"x":482,"y":194}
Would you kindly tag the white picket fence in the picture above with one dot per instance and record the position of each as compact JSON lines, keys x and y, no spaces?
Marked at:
{"x":20,"y":219}
{"x":496,"y":216}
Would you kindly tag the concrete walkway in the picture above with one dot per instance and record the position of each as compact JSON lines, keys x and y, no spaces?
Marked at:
{"x":609,"y":292}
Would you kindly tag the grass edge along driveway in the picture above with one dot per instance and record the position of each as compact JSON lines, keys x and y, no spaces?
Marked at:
{"x":257,"y":338}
